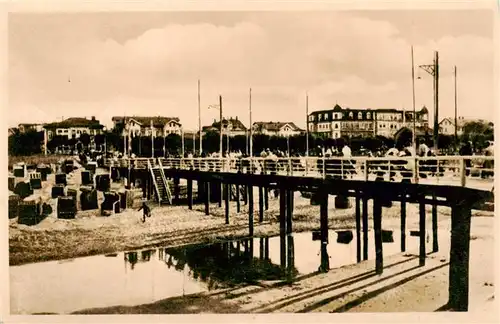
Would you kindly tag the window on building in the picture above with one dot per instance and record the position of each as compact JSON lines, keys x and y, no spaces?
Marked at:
{"x":319,"y":117}
{"x":351,"y":115}
{"x":326,"y":116}
{"x":336,"y":126}
{"x":368,"y":115}
{"x":360,"y":115}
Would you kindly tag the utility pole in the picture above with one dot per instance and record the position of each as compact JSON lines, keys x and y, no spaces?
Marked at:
{"x":434,"y":71}
{"x":251,"y":126}
{"x":182,"y":142}
{"x":307,"y":125}
{"x":152,"y":141}
{"x":413,"y":102}
{"x":45,"y":141}
{"x":456,"y":117}
{"x":199,"y":120}
{"x":220,"y":111}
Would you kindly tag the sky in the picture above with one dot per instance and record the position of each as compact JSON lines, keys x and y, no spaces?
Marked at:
{"x":138,"y":63}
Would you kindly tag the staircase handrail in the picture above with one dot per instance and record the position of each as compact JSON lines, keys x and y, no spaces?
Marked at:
{"x":154,"y":181}
{"x":164,"y":178}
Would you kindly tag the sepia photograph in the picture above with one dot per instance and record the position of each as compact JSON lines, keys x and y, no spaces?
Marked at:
{"x":251,"y":161}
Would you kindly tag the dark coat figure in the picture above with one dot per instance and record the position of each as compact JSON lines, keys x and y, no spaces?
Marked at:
{"x":466,"y":150}
{"x":146,"y":211}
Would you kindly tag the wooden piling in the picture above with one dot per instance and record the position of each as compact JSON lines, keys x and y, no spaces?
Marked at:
{"x":365,"y":227}
{"x":289,"y":211}
{"x":238,"y":203}
{"x":207,"y":197}
{"x":291,"y":256}
{"x":422,"y":231}
{"x":261,"y":204}
{"x":435,"y":244}
{"x":403,"y":221}
{"x":377,"y":229}
{"x":220,"y":189}
{"x":458,"y":289}
{"x":358,"y":227}
{"x":266,"y":198}
{"x":190,"y":193}
{"x":266,"y":248}
{"x":227,"y":195}
{"x":177,"y":189}
{"x":250,"y":210}
{"x":261,"y":248}
{"x":325,"y":262}
{"x":283,"y":227}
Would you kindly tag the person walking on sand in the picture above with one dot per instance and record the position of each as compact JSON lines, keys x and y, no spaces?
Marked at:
{"x":146,"y":211}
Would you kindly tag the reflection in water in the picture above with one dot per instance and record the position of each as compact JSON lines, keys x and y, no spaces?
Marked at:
{"x":225,"y":263}
{"x":173,"y":272}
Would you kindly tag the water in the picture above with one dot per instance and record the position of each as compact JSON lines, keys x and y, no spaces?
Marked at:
{"x":142,"y":277}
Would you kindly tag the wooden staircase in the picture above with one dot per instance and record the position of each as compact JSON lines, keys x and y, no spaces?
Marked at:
{"x":160,"y":183}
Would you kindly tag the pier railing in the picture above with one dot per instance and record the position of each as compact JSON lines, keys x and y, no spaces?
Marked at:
{"x":466,"y":171}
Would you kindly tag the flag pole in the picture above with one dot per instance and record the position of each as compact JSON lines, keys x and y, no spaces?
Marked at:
{"x":307,"y":124}
{"x":220,"y":111}
{"x":415,"y":173}
{"x":199,"y":119}
{"x":251,"y":126}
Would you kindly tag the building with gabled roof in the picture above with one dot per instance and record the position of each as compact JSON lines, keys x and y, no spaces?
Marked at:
{"x":231,"y":126}
{"x":74,"y":127}
{"x":284,"y":129}
{"x":159,"y":126}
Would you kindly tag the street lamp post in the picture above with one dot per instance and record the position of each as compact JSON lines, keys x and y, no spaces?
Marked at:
{"x":307,"y":125}
{"x":433,"y":69}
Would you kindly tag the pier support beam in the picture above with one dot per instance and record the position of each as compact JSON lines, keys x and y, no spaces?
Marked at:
{"x":227,"y":197}
{"x":207,"y":197}
{"x":325,"y":262}
{"x":435,"y":244}
{"x":250,"y":210}
{"x":261,"y":204}
{"x":358,"y":227}
{"x":190,"y":193}
{"x":365,"y":227}
{"x":458,"y":290}
{"x":177,"y":189}
{"x":377,"y":229}
{"x":283,"y":214}
{"x":422,"y":233}
{"x":403,"y":221}
{"x":238,"y":203}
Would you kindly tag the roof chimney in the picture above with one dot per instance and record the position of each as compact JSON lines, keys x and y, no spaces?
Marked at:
{"x":93,"y":118}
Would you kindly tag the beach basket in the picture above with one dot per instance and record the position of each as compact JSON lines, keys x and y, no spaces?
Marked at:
{"x":61,"y":179}
{"x":57,"y":191}
{"x":88,"y":198}
{"x":66,"y":207}
{"x":23,"y":189}
{"x":86,"y":178}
